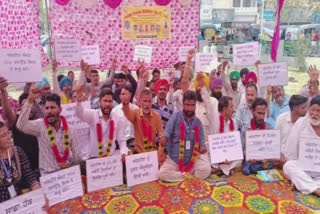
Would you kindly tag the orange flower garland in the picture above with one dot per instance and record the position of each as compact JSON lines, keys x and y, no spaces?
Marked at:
{"x":60,"y":160}
{"x":110,"y":141}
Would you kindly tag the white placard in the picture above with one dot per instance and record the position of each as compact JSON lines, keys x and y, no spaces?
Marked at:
{"x":91,"y":54}
{"x":67,"y":50}
{"x":203,"y":60}
{"x":183,"y":53}
{"x":142,"y":168}
{"x":226,"y":146}
{"x":69,"y":112}
{"x":245,"y":54}
{"x":262,"y":144}
{"x":274,"y":74}
{"x":309,"y":153}
{"x":143,"y":53}
{"x":62,"y":185}
{"x":104,"y":172}
{"x":21,"y":65}
{"x":29,"y":203}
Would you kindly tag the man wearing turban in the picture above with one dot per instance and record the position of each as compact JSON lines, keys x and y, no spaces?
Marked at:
{"x":164,"y":109}
{"x":242,"y":85}
{"x":251,"y":78}
{"x":231,"y":87}
{"x":216,"y":88}
{"x":66,"y":86}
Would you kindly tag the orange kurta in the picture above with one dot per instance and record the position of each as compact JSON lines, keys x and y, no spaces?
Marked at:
{"x":135,"y":116}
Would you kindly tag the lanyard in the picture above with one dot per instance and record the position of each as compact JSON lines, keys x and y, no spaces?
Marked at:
{"x":7,"y":170}
{"x":188,"y":128}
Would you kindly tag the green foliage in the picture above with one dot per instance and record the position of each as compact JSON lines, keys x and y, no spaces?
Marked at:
{"x":301,"y":49}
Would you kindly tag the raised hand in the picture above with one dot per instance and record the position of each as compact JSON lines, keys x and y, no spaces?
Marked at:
{"x":313,"y":73}
{"x":191,"y":54}
{"x":3,"y":84}
{"x":114,"y":63}
{"x":200,"y":80}
{"x":80,"y":92}
{"x":34,"y":93}
{"x":54,"y":66}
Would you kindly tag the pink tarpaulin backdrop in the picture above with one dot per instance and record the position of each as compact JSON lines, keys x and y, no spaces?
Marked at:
{"x":102,"y":25}
{"x":19,"y":26}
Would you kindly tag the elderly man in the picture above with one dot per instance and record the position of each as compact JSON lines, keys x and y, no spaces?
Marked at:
{"x":305,"y":131}
{"x":147,"y":123}
{"x":225,"y":125}
{"x":186,"y":144}
{"x":243,"y":115}
{"x":312,"y":89}
{"x":285,"y":121}
{"x":278,"y":106}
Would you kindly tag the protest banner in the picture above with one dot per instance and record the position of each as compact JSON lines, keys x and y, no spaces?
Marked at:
{"x":29,"y":203}
{"x":146,"y":22}
{"x":69,"y":112}
{"x":309,"y":153}
{"x":203,"y":60}
{"x":91,"y":54}
{"x":142,"y":53}
{"x":104,"y":172}
{"x":262,"y":144}
{"x":273,"y":74}
{"x":62,"y":185}
{"x":21,"y":65}
{"x":245,"y":54}
{"x":183,"y":53}
{"x":67,"y":50}
{"x":226,"y":146}
{"x":142,"y":168}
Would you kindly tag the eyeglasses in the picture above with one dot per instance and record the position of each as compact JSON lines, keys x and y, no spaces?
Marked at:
{"x":8,"y":133}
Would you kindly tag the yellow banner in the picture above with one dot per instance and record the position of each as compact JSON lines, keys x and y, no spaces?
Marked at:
{"x":146,"y":22}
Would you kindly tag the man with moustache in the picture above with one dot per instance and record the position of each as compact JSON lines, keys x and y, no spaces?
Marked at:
{"x":216,"y":88}
{"x":244,"y":115}
{"x":231,"y":87}
{"x":106,"y":127}
{"x":259,"y":109}
{"x":147,"y":123}
{"x":185,"y":144}
{"x":53,"y":134}
{"x":164,"y":109}
{"x":305,"y":130}
{"x":279,"y":105}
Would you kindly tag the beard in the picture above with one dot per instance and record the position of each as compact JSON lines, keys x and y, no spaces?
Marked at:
{"x":217,"y":95}
{"x":106,"y":111}
{"x":52,"y":118}
{"x":188,"y":113}
{"x":314,"y":122}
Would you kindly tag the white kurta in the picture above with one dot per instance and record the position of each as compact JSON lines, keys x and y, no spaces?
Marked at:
{"x":305,"y":181}
{"x":284,"y":124}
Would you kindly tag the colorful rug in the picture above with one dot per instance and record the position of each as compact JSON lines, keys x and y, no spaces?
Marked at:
{"x":233,"y":195}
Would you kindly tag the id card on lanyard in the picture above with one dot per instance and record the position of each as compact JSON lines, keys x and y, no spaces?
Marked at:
{"x":7,"y":171}
{"x":188,"y":130}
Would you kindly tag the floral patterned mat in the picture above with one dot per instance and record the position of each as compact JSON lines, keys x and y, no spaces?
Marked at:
{"x":233,"y":195}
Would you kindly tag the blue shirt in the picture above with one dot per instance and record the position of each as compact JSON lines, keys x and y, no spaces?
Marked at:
{"x":172,"y":134}
{"x":276,"y":110}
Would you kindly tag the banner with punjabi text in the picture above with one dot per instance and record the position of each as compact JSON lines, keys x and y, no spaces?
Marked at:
{"x":146,"y":22}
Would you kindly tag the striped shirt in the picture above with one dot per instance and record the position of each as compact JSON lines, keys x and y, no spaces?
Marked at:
{"x":47,"y":161}
{"x":165,"y":112}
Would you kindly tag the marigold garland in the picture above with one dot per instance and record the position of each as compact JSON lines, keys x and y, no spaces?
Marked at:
{"x":60,"y":160}
{"x":110,"y":141}
{"x":189,"y":166}
{"x":147,"y":136}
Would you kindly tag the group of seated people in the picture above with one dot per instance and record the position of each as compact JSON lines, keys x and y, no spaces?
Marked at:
{"x":173,"y":117}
